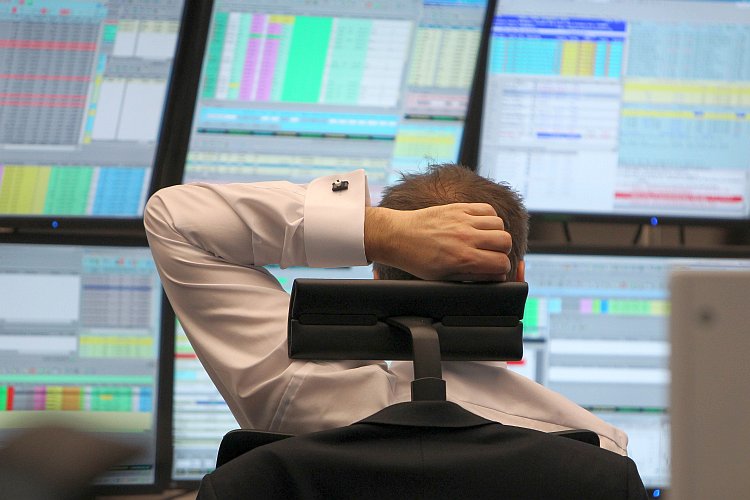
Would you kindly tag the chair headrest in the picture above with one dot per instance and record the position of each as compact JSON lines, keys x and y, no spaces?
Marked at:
{"x":348,"y":319}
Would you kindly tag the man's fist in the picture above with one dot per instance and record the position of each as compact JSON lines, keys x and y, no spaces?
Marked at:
{"x":459,"y":242}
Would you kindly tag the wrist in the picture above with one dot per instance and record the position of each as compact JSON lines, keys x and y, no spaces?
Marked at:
{"x":378,"y":234}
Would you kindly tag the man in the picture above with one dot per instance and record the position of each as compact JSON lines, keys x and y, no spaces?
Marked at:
{"x":211,"y":241}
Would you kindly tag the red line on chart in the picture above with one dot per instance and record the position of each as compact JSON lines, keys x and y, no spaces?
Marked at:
{"x":9,"y":398}
{"x":44,"y":45}
{"x":680,"y":197}
{"x":45,"y":104}
{"x":185,"y":356}
{"x":65,"y":78}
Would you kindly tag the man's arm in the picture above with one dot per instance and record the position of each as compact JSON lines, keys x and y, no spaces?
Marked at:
{"x":210,"y":241}
{"x":460,"y":241}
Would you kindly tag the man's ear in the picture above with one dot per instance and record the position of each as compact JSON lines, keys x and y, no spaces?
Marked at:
{"x":375,"y":274}
{"x":521,"y":271}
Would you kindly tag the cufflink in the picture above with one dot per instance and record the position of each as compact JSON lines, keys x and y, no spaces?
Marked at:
{"x":339,"y":185}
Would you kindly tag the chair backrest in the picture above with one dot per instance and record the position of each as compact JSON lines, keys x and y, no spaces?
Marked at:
{"x":237,"y":442}
{"x":424,"y":321}
{"x":330,"y":319}
{"x":364,"y":319}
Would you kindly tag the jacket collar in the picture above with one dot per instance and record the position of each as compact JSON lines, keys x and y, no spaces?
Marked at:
{"x":426,"y":414}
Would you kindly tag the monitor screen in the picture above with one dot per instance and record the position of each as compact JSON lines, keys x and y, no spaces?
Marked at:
{"x":200,"y":415}
{"x":293,"y":90}
{"x":80,"y":330}
{"x":620,"y":108}
{"x":596,"y":331}
{"x":83,"y":86}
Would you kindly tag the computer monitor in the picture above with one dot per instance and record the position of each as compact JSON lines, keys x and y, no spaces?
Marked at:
{"x":200,"y":415}
{"x":620,"y":109}
{"x":596,"y":331}
{"x":83,"y":87}
{"x":80,"y":341}
{"x":293,"y":90}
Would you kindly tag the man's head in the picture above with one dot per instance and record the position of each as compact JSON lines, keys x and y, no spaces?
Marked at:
{"x":449,"y":183}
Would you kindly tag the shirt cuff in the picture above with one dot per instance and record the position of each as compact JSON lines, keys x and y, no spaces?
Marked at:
{"x":335,"y":221}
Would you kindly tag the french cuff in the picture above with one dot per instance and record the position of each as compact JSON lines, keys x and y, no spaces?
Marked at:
{"x":335,"y":220}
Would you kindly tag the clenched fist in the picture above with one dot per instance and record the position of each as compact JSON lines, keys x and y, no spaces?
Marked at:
{"x":457,"y":242}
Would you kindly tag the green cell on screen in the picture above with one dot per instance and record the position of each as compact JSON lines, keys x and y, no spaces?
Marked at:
{"x":68,"y":190}
{"x":213,"y":58}
{"x":111,"y":399}
{"x":306,"y":60}
{"x":110,"y":33}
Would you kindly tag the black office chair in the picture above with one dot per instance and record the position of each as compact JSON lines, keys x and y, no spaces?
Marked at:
{"x":423,"y":321}
{"x":427,"y":448}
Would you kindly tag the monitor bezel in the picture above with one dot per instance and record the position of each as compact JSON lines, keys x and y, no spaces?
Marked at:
{"x":717,"y":252}
{"x":469,"y":155}
{"x":165,"y":366}
{"x":171,"y":142}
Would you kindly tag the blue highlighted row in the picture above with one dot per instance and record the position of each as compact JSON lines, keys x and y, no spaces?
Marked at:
{"x":562,"y":23}
{"x":551,"y":135}
{"x":557,"y":36}
{"x":265,"y":120}
{"x":55,"y":11}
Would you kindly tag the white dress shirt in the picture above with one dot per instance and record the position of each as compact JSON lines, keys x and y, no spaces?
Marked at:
{"x":210,"y":243}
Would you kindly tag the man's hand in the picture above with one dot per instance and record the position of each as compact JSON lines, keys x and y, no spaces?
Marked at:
{"x":460,"y":242}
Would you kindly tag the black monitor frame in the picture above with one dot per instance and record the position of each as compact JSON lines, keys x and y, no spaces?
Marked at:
{"x":174,"y":131}
{"x":470,"y":147}
{"x":165,"y":368}
{"x":468,"y":153}
{"x":723,"y":252}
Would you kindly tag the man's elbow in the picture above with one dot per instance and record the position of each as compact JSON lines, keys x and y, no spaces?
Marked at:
{"x":156,"y":214}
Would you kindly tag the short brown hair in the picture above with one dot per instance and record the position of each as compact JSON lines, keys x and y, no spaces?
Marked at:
{"x":450,"y":183}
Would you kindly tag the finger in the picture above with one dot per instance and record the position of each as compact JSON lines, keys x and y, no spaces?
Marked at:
{"x":488,"y":222}
{"x":495,"y":241}
{"x":484,"y":263}
{"x":492,"y":262}
{"x":479,"y":209}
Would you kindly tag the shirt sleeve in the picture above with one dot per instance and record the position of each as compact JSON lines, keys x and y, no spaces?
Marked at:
{"x":334,"y":221}
{"x":210,"y":243}
{"x":264,"y":223}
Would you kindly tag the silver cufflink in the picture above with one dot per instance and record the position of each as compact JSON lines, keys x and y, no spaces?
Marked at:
{"x":339,"y":186}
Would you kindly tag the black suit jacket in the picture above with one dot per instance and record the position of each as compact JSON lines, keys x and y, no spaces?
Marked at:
{"x":426,"y":450}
